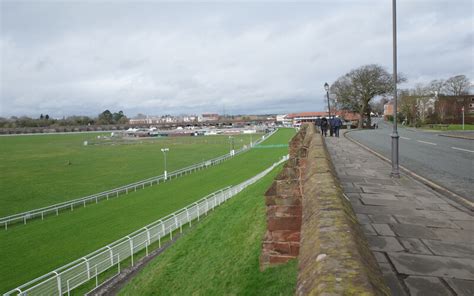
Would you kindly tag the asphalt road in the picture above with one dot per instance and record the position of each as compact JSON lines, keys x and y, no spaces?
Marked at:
{"x":446,"y":161}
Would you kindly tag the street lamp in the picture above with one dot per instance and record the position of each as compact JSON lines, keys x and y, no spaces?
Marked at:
{"x":326,"y":87}
{"x":395,"y":169}
{"x":164,"y":150}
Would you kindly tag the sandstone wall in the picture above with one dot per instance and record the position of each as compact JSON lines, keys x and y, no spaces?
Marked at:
{"x":308,"y":217}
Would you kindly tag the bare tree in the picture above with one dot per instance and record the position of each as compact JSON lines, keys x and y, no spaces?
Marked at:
{"x":436,"y":87}
{"x":457,"y":85}
{"x":356,"y":89}
{"x":378,"y":106}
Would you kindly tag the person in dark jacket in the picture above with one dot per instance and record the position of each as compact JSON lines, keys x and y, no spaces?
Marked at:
{"x":318,"y":124}
{"x":331,"y":126}
{"x":337,"y":123}
{"x":324,"y":126}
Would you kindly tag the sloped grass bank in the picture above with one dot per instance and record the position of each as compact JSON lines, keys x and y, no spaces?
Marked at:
{"x":220,"y":256}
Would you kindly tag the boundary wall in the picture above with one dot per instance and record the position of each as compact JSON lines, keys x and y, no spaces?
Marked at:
{"x":332,"y":251}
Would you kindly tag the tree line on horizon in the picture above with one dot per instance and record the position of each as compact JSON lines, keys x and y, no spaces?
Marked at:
{"x":104,"y":118}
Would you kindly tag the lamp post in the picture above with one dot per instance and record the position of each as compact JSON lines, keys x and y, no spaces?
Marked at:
{"x":326,"y":87}
{"x":231,"y":142}
{"x":164,"y":150}
{"x":395,"y":169}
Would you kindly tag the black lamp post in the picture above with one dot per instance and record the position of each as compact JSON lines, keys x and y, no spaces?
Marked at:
{"x":326,"y":87}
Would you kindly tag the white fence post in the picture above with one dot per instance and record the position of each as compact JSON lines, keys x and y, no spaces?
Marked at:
{"x":188,"y":217}
{"x":111,"y":256}
{"x":88,"y":268}
{"x":131,"y":247}
{"x":58,"y":280}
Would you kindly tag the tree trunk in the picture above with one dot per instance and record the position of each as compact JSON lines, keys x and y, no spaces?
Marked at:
{"x":361,"y":113}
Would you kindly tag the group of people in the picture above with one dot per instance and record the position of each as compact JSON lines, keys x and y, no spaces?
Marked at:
{"x":333,"y":124}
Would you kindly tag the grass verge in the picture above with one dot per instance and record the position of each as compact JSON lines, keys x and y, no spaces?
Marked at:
{"x":220,"y":256}
{"x":451,"y":127}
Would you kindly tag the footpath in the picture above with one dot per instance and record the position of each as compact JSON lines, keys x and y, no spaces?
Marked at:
{"x":423,"y":242}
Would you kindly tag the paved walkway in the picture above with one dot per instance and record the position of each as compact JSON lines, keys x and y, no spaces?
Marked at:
{"x":424,"y":243}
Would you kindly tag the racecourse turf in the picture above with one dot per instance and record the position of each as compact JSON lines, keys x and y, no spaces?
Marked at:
{"x":220,"y":256}
{"x":41,"y":170}
{"x":31,"y":250}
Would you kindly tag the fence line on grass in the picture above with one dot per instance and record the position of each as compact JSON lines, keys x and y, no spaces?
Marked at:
{"x":64,"y":279}
{"x":95,"y":198}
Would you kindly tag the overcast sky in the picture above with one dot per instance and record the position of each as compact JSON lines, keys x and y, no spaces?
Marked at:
{"x":82,"y":57}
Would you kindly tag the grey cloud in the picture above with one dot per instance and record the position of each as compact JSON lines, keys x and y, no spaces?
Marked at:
{"x":153,"y":57}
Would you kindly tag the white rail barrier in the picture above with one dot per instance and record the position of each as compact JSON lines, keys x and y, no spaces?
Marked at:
{"x":64,"y":279}
{"x":95,"y":198}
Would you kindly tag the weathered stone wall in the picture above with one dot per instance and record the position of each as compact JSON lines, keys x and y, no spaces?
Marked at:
{"x":284,"y":208}
{"x":333,"y":255}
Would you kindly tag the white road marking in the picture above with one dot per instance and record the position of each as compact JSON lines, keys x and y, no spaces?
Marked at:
{"x":427,"y":142}
{"x":456,"y":148}
{"x":405,"y":138}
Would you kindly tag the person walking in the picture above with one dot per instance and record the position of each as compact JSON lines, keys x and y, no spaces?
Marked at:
{"x":337,"y":123}
{"x":331,"y":126}
{"x":324,"y":126}
{"x":318,"y":124}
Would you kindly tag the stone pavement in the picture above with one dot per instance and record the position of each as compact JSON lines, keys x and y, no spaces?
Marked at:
{"x":423,"y":242}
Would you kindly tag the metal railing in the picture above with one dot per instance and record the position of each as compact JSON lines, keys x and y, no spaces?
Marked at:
{"x":95,"y":198}
{"x":64,"y":279}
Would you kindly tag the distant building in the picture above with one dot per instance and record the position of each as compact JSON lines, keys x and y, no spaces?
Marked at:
{"x":299,"y":118}
{"x":388,"y":110}
{"x":208,"y":117}
{"x":449,"y":109}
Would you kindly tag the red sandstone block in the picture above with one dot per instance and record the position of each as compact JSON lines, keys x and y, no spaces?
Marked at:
{"x":284,"y":211}
{"x":282,"y":236}
{"x":278,"y":200}
{"x":284,"y":223}
{"x":294,"y":249}
{"x":277,"y":259}
{"x":282,"y":247}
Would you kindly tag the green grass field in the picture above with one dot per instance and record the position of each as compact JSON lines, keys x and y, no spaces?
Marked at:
{"x":220,"y":256}
{"x":31,"y":250}
{"x":35,"y":170}
{"x":451,"y":127}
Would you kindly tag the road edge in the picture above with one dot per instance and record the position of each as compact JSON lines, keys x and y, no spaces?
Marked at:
{"x":454,"y":136}
{"x":468,"y":205}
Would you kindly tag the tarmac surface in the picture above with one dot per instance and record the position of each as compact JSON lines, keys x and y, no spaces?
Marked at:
{"x":423,"y":241}
{"x":447,"y":161}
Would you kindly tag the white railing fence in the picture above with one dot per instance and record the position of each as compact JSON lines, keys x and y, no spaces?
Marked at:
{"x":64,"y":279}
{"x":95,"y":198}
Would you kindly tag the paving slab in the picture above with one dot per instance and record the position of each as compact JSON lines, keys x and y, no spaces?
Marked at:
{"x":450,"y":249}
{"x":384,"y":243}
{"x":461,"y":287}
{"x":383,"y":229}
{"x":455,"y":235}
{"x":423,"y":242}
{"x":382,"y":219}
{"x":466,"y":225}
{"x":428,"y":222}
{"x":426,"y":286}
{"x":415,"y":231}
{"x":415,"y":246}
{"x":427,"y":265}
